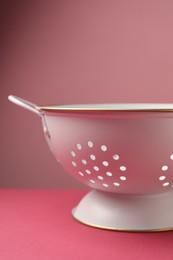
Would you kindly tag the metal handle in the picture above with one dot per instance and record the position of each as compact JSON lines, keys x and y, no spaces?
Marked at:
{"x":25,"y":104}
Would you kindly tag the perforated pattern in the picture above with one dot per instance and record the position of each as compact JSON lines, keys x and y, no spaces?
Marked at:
{"x":166,"y":172}
{"x":97,"y":167}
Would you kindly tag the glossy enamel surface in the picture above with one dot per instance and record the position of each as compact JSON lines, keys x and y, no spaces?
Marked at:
{"x":123,"y":153}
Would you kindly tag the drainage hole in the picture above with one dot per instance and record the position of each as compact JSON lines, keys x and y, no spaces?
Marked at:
{"x":90,"y":144}
{"x":162,"y":178}
{"x":123,"y":168}
{"x":165,"y":184}
{"x":79,"y":146}
{"x":84,"y":161}
{"x":105,"y":163}
{"x":96,"y":168}
{"x":100,"y":177}
{"x":92,"y":156}
{"x":104,"y":148}
{"x":109,"y":174}
{"x":116,"y":184}
{"x":116,"y":157}
{"x":81,"y":173}
{"x":164,"y":168}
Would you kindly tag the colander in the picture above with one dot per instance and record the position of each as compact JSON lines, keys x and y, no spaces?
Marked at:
{"x":123,"y":152}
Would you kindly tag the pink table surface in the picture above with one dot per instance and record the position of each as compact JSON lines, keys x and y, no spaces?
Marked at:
{"x":37,"y":224}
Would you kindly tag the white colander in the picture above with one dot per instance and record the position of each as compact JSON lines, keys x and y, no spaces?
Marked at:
{"x":124,"y":152}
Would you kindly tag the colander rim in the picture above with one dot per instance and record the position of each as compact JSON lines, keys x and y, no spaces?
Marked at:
{"x":103,"y":107}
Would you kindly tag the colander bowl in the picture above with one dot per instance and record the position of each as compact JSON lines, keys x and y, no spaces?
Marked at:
{"x":123,"y":152}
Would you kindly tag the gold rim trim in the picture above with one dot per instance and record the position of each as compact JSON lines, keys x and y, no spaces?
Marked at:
{"x":99,"y":110}
{"x":123,"y":229}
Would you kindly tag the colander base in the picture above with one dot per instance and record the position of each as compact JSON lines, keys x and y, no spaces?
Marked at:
{"x":132,"y":213}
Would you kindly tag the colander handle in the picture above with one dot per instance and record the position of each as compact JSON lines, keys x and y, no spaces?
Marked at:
{"x":26,"y":104}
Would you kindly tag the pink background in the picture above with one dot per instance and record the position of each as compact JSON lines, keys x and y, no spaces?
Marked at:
{"x":75,"y":52}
